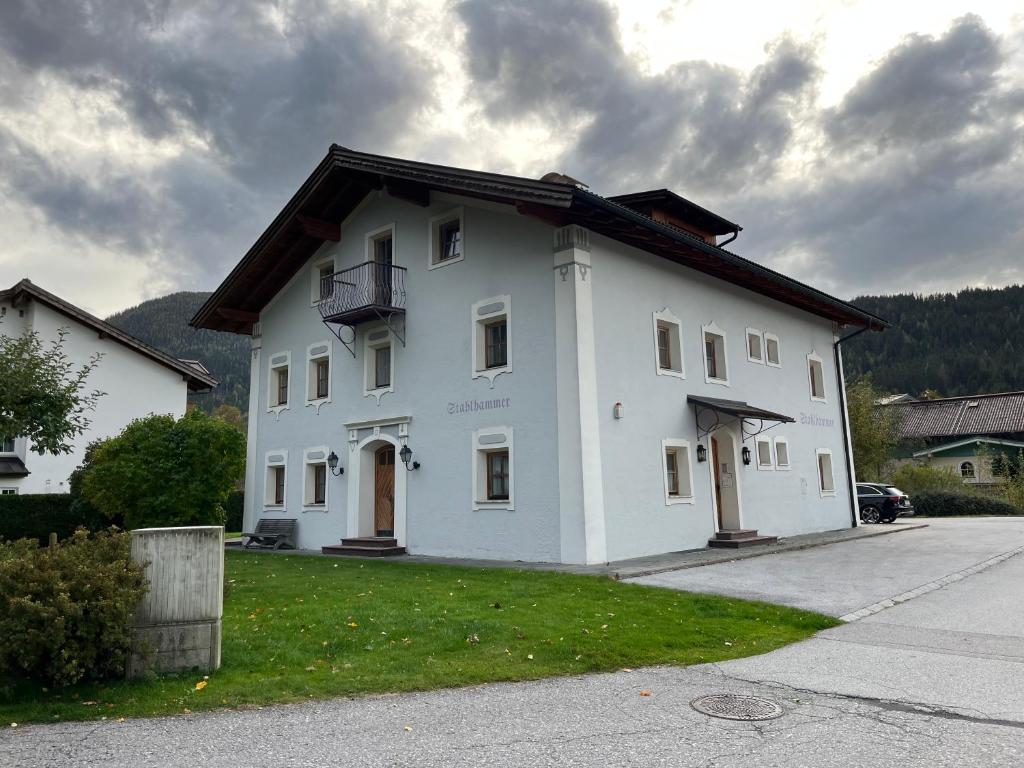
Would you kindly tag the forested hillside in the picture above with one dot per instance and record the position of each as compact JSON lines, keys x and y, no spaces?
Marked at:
{"x":163,"y":323}
{"x":967,"y":343}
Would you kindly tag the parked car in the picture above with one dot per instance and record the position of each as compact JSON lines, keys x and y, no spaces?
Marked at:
{"x":881,"y":503}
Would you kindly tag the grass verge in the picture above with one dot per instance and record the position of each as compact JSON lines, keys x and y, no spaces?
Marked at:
{"x":298,"y":628}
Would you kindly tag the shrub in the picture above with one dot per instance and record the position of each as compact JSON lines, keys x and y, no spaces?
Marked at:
{"x":37,"y":515}
{"x":65,"y":611}
{"x":951,"y":503}
{"x":164,"y":472}
{"x":234,"y":508}
{"x":915,"y":479}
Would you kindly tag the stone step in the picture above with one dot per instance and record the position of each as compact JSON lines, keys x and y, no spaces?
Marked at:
{"x":383,"y":542}
{"x":749,"y":541}
{"x":740,"y":533}
{"x":347,"y":550}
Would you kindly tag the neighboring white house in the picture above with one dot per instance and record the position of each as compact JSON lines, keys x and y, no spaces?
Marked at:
{"x":511,"y":368}
{"x":138,"y":380}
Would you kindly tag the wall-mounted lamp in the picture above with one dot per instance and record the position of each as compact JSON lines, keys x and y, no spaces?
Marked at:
{"x":617,"y":410}
{"x":405,"y":454}
{"x":746,"y":455}
{"x":332,"y":464}
{"x":702,"y":453}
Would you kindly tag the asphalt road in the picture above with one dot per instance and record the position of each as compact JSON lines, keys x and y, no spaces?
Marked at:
{"x":935,"y":681}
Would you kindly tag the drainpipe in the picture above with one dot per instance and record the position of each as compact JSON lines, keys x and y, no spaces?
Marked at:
{"x":847,"y":446}
{"x":733,"y":236}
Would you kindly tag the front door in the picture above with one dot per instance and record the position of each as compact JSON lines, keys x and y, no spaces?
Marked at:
{"x":384,"y":492}
{"x":718,"y":481}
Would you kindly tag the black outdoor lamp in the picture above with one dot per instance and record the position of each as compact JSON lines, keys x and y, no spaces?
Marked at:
{"x":332,"y":463}
{"x":405,"y":454}
{"x":702,"y":453}
{"x":746,"y":455}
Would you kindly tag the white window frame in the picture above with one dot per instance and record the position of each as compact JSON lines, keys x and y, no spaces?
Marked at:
{"x":311,"y":360}
{"x":8,"y":491}
{"x":758,"y":442}
{"x":14,"y":447}
{"x":269,"y":485}
{"x":778,"y":465}
{"x":432,"y":227}
{"x":272,"y":405}
{"x":665,"y":317}
{"x":677,"y":443}
{"x":374,"y":234}
{"x":761,"y":346}
{"x":817,"y":469}
{"x":478,"y":324}
{"x":310,"y":458}
{"x":778,"y":348}
{"x":486,"y":440}
{"x":314,"y":289}
{"x":813,"y":357}
{"x":713,"y":329}
{"x":370,"y":348}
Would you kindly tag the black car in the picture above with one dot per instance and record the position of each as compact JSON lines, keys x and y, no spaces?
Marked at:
{"x":881,"y":503}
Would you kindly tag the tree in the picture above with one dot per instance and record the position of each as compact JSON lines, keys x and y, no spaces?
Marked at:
{"x":42,"y":394}
{"x":165,"y":472}
{"x":230,"y":414}
{"x":873,"y":429}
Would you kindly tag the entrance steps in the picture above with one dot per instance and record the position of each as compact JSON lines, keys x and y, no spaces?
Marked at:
{"x":365,"y":546}
{"x":739,"y":539}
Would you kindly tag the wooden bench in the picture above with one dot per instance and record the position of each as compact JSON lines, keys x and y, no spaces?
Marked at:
{"x":272,"y":532}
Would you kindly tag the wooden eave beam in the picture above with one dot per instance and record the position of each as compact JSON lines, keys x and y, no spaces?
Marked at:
{"x":238,"y":315}
{"x":417,"y":194}
{"x":318,"y":228}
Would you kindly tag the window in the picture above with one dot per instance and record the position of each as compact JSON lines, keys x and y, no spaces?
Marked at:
{"x":379,"y":370}
{"x":675,"y":456}
{"x":318,"y":373}
{"x":6,"y":445}
{"x":816,"y":377}
{"x":278,"y":381}
{"x":497,"y":475}
{"x":277,"y":478}
{"x":668,"y":349}
{"x":446,"y":239}
{"x":755,"y":346}
{"x":322,"y":279}
{"x":492,"y":337}
{"x":764,"y":454}
{"x":714,"y":355}
{"x":8,"y":491}
{"x":314,"y":492}
{"x":494,"y":472}
{"x":781,"y":453}
{"x":826,"y":480}
{"x":771,"y":350}
{"x":967,"y":470}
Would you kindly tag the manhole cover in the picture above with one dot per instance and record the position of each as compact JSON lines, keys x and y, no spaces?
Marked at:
{"x":733,"y":707}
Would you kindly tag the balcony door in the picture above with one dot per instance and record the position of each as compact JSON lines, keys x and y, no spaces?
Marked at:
{"x":383,"y":258}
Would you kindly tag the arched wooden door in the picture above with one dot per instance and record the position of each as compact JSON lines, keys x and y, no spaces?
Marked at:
{"x":384,"y":491}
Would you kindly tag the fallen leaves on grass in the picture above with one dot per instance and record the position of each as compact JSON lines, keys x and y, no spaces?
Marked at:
{"x":200,"y":685}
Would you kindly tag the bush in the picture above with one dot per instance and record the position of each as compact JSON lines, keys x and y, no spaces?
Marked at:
{"x":234,"y":507}
{"x":66,"y":609}
{"x":915,"y":479}
{"x":163,"y":472}
{"x":951,"y":503}
{"x":37,"y":515}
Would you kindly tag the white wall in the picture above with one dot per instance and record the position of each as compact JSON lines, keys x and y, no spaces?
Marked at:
{"x":135,"y":386}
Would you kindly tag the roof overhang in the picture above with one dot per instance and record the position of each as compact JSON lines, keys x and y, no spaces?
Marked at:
{"x":968,"y":441}
{"x":344,"y":178}
{"x":679,"y":206}
{"x":738,"y":409}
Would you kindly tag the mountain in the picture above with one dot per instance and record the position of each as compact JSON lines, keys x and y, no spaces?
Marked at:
{"x":163,"y":323}
{"x":967,"y":343}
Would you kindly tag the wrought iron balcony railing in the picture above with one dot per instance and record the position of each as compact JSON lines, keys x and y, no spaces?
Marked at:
{"x":370,"y":291}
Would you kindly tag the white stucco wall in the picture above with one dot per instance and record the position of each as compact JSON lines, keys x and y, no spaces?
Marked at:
{"x":629,"y":286}
{"x":135,"y":386}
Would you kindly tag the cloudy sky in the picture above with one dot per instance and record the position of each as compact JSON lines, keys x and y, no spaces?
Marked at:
{"x":864,"y":146}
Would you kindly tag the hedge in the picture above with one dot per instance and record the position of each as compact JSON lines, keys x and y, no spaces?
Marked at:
{"x":37,"y":515}
{"x":234,"y":507}
{"x":950,"y":504}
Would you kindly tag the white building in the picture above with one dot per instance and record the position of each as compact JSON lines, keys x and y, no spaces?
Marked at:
{"x":578,"y":379}
{"x":138,"y":380}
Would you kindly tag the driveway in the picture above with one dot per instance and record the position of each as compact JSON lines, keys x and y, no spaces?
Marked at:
{"x":935,"y":681}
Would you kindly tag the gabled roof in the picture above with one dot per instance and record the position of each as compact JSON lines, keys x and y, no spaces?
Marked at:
{"x":195,"y":375}
{"x":969,"y":441}
{"x":678,"y":206}
{"x":996,"y":414}
{"x":344,"y":178}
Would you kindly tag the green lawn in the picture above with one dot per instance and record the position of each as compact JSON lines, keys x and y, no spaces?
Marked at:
{"x":300,"y":627}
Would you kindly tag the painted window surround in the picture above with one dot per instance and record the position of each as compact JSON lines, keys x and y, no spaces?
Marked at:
{"x":675,"y":326}
{"x":683,"y":465}
{"x":272,"y":369}
{"x":713,"y":329}
{"x":382,"y":338}
{"x":762,"y":465}
{"x":311,"y":361}
{"x":432,"y":235}
{"x":825,"y":492}
{"x":482,"y":313}
{"x":759,"y":335}
{"x":310,"y":458}
{"x":272,"y":459}
{"x":492,"y":439}
{"x":814,"y":357}
{"x":779,"y":465}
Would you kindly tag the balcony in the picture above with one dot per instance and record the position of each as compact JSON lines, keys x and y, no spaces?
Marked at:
{"x":367,"y":292}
